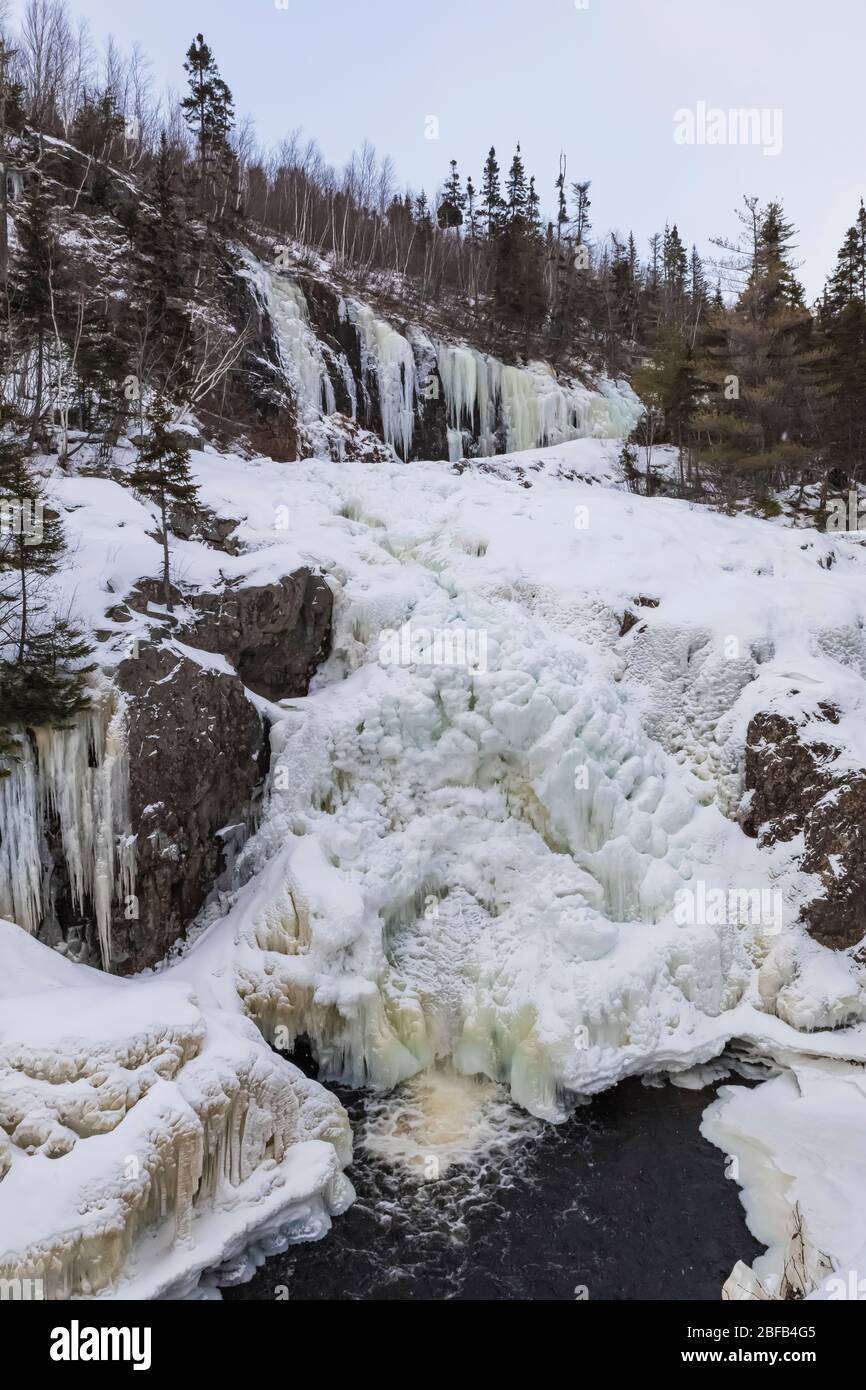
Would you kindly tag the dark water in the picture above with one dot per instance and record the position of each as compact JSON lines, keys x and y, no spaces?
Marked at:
{"x":625,"y":1200}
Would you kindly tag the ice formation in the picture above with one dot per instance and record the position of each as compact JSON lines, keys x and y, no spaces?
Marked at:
{"x":387,"y":357}
{"x":528,"y":405}
{"x":490,"y":407}
{"x":301,"y":351}
{"x":474,"y":872}
{"x":79,"y":776}
{"x":148,"y":1145}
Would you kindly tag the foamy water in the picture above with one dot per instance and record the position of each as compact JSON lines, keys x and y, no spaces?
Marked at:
{"x":441,"y":1119}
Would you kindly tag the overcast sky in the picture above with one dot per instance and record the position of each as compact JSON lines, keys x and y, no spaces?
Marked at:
{"x":601,"y":84}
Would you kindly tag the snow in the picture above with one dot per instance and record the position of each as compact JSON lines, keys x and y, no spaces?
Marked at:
{"x":478,"y":864}
{"x":151,"y":1143}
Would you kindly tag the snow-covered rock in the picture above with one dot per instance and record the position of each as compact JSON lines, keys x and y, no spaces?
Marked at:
{"x":148,"y":1141}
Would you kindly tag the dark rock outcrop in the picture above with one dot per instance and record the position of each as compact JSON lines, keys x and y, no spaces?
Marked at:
{"x":795,"y":788}
{"x":198,"y":747}
{"x":274,"y":635}
{"x":197,"y":754}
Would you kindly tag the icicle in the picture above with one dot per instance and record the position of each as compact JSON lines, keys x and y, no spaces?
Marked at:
{"x":79,"y":775}
{"x":528,"y":405}
{"x":387,"y":356}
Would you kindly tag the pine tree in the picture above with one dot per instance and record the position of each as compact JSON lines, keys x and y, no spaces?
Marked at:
{"x":516,"y":190}
{"x":453,"y":201}
{"x":759,"y":363}
{"x":842,"y":368}
{"x":162,"y":329}
{"x":162,"y":474}
{"x":472,"y":208}
{"x":209,"y":112}
{"x":491,"y":195}
{"x":32,"y":542}
{"x":580,"y":219}
{"x":561,"y":201}
{"x":422,"y":218}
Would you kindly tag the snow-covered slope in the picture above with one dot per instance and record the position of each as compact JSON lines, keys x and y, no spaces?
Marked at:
{"x":502,"y":829}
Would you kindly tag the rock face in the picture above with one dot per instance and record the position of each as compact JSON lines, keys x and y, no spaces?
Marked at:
{"x":198,"y":752}
{"x":340,"y":337}
{"x":274,"y":636}
{"x":796,"y":789}
{"x":198,"y":747}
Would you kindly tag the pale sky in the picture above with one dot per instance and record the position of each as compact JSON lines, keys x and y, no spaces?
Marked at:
{"x":600,"y":83}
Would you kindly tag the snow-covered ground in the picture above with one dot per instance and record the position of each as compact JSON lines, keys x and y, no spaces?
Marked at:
{"x":497,"y":831}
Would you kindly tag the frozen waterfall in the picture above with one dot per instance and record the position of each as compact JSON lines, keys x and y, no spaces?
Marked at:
{"x":509,"y":409}
{"x":79,"y":777}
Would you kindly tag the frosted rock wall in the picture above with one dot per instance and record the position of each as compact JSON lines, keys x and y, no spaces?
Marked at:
{"x":395,"y":381}
{"x":78,"y":776}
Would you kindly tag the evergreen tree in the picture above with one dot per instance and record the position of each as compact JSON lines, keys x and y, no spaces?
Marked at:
{"x":759,"y":363}
{"x":580,"y":219}
{"x":98,"y":124}
{"x":209,"y":112}
{"x":842,"y":369}
{"x":38,"y":287}
{"x":162,"y":336}
{"x":422,"y":218}
{"x":473,"y":218}
{"x":42,"y":675}
{"x":516,"y":190}
{"x":561,"y":201}
{"x":162,"y":474}
{"x":491,"y":195}
{"x":453,"y":201}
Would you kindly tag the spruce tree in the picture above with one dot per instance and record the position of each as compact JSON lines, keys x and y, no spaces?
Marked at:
{"x":759,"y":362}
{"x":162,"y":474}
{"x":42,"y":656}
{"x":842,"y":369}
{"x":453,"y":201}
{"x":491,"y":195}
{"x":209,"y":112}
{"x":516,"y":190}
{"x":580,"y":219}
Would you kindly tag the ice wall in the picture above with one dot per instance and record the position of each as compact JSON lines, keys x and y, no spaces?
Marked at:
{"x":507,"y":409}
{"x":490,"y":407}
{"x":386,"y":357}
{"x":80,"y":777}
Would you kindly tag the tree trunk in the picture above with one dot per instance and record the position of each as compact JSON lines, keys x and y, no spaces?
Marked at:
{"x":22,"y":636}
{"x":166,"y":581}
{"x":37,"y":404}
